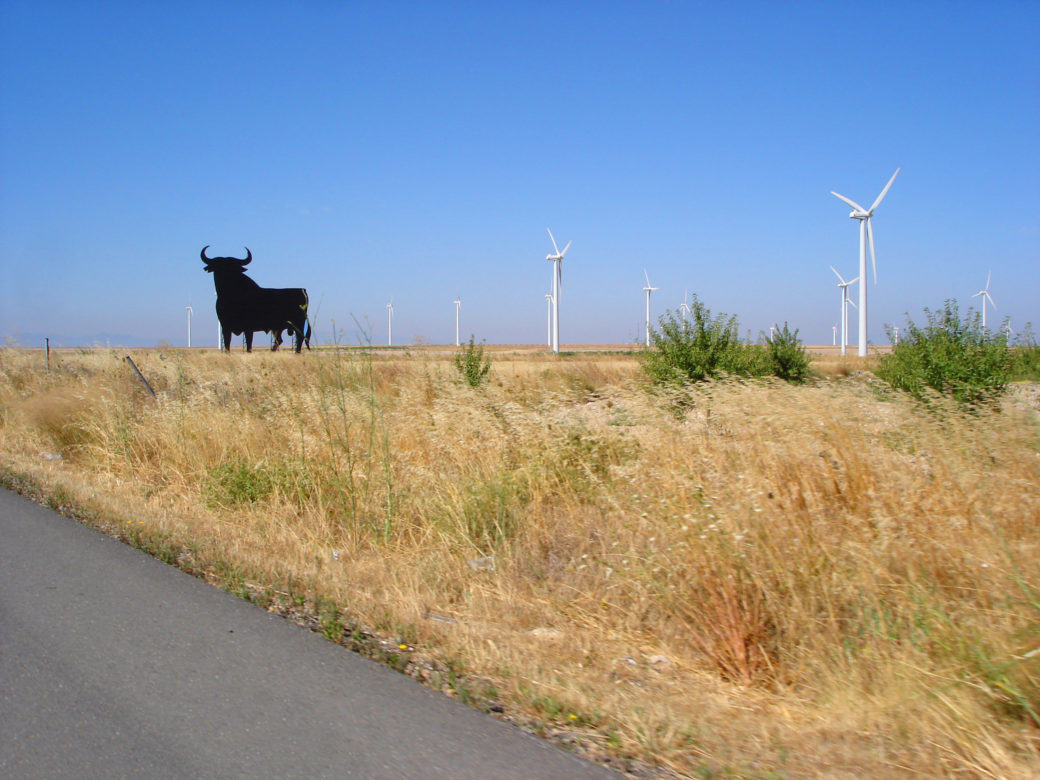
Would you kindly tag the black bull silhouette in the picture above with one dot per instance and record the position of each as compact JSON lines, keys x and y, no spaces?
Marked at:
{"x":245,"y":307}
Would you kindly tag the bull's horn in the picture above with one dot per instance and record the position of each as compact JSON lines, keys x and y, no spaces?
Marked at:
{"x":249,"y":257}
{"x":204,"y":258}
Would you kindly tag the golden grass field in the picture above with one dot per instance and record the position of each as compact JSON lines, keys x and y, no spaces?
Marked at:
{"x":747,"y":579}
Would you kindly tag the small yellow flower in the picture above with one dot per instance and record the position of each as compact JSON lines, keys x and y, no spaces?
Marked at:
{"x":572,"y":716}
{"x":402,"y":647}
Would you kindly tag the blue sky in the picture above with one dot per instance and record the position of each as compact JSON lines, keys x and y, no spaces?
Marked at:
{"x":418,"y":151}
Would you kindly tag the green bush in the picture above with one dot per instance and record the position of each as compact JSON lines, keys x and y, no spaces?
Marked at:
{"x":951,"y":355}
{"x":472,"y":364}
{"x":787,"y":359}
{"x":708,"y":347}
{"x":693,"y":351}
{"x":1025,"y":357}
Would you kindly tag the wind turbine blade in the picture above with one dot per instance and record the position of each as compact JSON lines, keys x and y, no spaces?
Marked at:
{"x":842,"y":281}
{"x":556,"y":249}
{"x":647,"y":277}
{"x":565,"y":249}
{"x":851,"y":303}
{"x":847,"y":200}
{"x":990,"y":298}
{"x":873,"y":257}
{"x":852,"y":281}
{"x":884,"y":191}
{"x":980,"y":292}
{"x":988,"y":277}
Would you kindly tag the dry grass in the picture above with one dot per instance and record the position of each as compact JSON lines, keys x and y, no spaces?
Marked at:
{"x":752,"y":578}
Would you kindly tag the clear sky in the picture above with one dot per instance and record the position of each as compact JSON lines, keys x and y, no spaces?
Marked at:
{"x":417,"y":151}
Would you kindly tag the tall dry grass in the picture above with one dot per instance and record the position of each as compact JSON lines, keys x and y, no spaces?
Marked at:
{"x":750,"y":578}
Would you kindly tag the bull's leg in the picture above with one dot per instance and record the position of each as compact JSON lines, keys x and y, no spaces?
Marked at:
{"x":227,"y":338}
{"x":248,"y":335}
{"x":277,"y":341}
{"x":298,"y":335}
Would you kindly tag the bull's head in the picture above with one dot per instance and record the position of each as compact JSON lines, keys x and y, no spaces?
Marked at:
{"x":213,"y":263}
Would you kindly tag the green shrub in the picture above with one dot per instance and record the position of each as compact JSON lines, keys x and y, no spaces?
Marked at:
{"x":951,"y":355}
{"x":1025,"y":357}
{"x":472,"y":364}
{"x":787,"y":359}
{"x":709,"y":347}
{"x":693,"y":351}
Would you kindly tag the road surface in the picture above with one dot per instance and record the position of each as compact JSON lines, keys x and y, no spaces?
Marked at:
{"x":113,"y":664}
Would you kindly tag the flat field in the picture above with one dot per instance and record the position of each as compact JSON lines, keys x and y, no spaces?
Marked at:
{"x":745,"y":579}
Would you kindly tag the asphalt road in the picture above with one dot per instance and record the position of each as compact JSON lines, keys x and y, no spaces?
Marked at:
{"x":113,"y":664}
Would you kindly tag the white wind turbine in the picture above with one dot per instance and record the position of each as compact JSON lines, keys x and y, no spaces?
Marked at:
{"x":684,"y":307}
{"x":557,"y":260}
{"x":648,"y":289}
{"x":190,"y":312}
{"x":866,"y":231}
{"x":458,"y":306}
{"x":390,"y":323}
{"x":984,"y":292}
{"x":834,"y":336}
{"x":548,"y":317}
{"x":845,"y":301}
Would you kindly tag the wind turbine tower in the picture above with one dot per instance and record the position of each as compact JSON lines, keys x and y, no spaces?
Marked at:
{"x":866,"y":232}
{"x":844,"y":308}
{"x":458,"y":305}
{"x":548,"y":317}
{"x":648,"y":289}
{"x":557,"y":260}
{"x":190,"y":312}
{"x":390,"y":323}
{"x":984,"y":292}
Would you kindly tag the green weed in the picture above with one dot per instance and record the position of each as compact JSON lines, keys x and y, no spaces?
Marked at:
{"x":472,"y":364}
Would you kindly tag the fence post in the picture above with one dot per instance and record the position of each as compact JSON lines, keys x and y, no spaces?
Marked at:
{"x":140,"y":376}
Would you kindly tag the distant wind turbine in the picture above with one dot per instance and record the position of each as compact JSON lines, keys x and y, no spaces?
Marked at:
{"x":984,"y":292}
{"x":866,"y":231}
{"x":557,"y":260}
{"x":834,"y":336}
{"x":648,"y":289}
{"x":390,"y":323}
{"x":684,"y":307}
{"x":458,"y":305}
{"x":845,"y":301}
{"x":190,"y":312}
